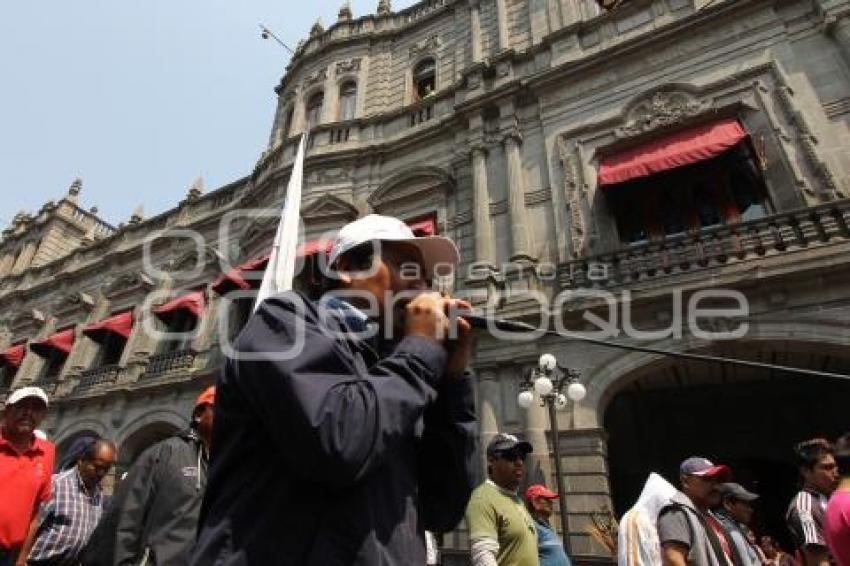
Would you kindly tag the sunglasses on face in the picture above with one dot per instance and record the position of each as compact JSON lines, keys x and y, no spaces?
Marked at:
{"x":511,"y":456}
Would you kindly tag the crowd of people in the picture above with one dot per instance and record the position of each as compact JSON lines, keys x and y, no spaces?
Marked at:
{"x":65,"y":519}
{"x":351,"y":449}
{"x":708,"y":520}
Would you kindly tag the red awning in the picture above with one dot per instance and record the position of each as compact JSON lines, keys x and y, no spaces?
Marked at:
{"x":14,"y":355}
{"x":427,"y":227}
{"x":677,"y":150}
{"x":61,"y":341}
{"x":194,"y":303}
{"x":314,"y":246}
{"x":120,"y":324}
{"x":237,"y":277}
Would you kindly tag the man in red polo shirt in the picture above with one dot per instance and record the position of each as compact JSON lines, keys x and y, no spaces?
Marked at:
{"x":26,"y":463}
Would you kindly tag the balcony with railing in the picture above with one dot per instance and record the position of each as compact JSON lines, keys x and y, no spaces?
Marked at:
{"x":163,"y":364}
{"x":777,"y":235}
{"x":104,"y":375}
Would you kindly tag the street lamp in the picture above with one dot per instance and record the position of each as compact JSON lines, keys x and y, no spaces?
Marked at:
{"x":557,"y":386}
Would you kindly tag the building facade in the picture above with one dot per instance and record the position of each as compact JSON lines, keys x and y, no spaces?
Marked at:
{"x":610,"y":172}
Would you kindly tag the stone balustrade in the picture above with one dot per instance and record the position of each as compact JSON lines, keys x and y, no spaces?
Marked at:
{"x":712,"y":247}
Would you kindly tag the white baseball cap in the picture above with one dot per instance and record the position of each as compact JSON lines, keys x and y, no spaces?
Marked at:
{"x":24,"y":392}
{"x":435,"y":249}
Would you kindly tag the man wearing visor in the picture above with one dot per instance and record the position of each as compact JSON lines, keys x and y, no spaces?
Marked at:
{"x":345,"y":427}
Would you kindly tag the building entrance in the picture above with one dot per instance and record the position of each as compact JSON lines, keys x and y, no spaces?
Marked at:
{"x":747,"y":419}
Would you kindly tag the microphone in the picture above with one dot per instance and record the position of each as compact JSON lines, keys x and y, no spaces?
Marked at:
{"x":483,"y":323}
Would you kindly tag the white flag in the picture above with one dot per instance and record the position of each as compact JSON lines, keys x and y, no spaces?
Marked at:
{"x":281,"y":267}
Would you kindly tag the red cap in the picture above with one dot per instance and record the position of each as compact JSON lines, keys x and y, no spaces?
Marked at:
{"x":207,"y":397}
{"x":538,"y":490}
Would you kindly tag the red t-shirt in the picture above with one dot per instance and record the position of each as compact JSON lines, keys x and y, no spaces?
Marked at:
{"x":24,"y":483}
{"x":836,"y":528}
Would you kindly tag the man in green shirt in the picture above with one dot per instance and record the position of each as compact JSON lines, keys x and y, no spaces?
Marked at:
{"x":501,"y":531}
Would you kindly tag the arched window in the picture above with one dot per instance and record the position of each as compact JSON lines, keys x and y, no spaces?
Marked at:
{"x":425,"y":78}
{"x":314,"y":109}
{"x":347,"y":101}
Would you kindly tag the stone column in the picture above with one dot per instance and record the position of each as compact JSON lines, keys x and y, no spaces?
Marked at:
{"x":484,"y":238}
{"x":502,"y":24}
{"x":520,"y":246}
{"x":584,"y":464}
{"x":475,"y":31}
{"x":488,"y":402}
{"x":25,"y":258}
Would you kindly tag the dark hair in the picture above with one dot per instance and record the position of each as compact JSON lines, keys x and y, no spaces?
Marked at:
{"x":809,"y":452}
{"x":842,"y":455}
{"x":91,"y":451}
{"x":76,"y":451}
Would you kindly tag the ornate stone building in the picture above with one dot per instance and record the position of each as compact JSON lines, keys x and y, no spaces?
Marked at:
{"x":616,"y":165}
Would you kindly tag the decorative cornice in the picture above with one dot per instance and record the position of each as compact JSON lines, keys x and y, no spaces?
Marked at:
{"x":500,"y":207}
{"x":315,"y":78}
{"x":126,"y":283}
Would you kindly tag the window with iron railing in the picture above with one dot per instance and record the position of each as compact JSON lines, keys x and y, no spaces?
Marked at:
{"x":425,"y":79}
{"x":53,"y":364}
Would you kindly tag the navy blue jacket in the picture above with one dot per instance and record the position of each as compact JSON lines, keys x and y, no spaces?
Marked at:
{"x":335,"y":455}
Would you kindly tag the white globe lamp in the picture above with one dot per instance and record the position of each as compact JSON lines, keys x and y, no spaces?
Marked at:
{"x":543,"y":386}
{"x":561,"y":402}
{"x":525,"y":399}
{"x":547,"y":362}
{"x":576,"y":391}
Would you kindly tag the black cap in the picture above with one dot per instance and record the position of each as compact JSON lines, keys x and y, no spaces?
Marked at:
{"x":736,"y":491}
{"x":503,"y":442}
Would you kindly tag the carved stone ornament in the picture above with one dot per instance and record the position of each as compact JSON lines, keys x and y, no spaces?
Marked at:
{"x":329,"y":208}
{"x":318,"y":77}
{"x":73,"y":302}
{"x":348,"y":66}
{"x":573,"y":194}
{"x":661,"y":110}
{"x":27,"y":322}
{"x":426,"y":46}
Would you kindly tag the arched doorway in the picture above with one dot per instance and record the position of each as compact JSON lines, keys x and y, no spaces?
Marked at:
{"x":748,"y":419}
{"x":139,"y":441}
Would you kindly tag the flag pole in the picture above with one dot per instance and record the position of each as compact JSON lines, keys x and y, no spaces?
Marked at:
{"x":280,"y":270}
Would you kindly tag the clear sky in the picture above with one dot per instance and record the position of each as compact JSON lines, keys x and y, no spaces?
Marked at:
{"x":139,"y":98}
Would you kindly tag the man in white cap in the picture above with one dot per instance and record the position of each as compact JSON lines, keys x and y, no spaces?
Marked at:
{"x":26,"y":465}
{"x":345,"y":427}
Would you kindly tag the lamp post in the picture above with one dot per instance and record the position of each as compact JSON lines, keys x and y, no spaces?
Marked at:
{"x":557,"y":386}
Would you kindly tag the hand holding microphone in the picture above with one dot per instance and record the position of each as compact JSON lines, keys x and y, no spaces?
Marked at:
{"x":432,"y":315}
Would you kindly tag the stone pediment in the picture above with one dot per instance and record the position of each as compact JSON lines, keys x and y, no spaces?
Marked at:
{"x":419,"y":183}
{"x":260,"y":227}
{"x":126,"y":283}
{"x":662,"y":109}
{"x":329,"y":208}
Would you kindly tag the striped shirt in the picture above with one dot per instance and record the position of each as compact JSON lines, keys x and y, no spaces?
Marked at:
{"x":805,"y":518}
{"x":66,"y":520}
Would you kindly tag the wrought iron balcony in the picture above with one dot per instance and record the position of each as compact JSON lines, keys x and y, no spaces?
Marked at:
{"x":47,"y":383}
{"x":161,"y":364}
{"x":103,"y":375}
{"x":782,"y":233}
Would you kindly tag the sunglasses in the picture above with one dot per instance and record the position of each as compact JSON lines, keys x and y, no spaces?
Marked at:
{"x":511,"y":456}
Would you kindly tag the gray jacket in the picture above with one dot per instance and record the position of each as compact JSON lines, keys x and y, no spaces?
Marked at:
{"x":680,"y":521}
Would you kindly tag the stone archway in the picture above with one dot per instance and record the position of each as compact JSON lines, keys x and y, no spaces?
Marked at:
{"x":142,"y":433}
{"x":660,"y":413}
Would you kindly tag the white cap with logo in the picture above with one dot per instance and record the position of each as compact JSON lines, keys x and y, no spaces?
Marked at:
{"x":435,"y":250}
{"x":24,"y":392}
